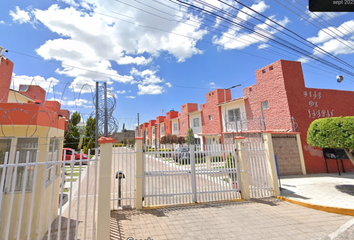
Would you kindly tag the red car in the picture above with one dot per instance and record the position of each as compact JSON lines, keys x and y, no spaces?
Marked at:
{"x":68,"y":152}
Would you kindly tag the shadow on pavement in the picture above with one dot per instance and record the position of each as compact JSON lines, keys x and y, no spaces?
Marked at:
{"x":288,"y":193}
{"x":346,"y":188}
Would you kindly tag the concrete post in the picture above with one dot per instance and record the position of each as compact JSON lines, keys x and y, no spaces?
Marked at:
{"x":301,"y":154}
{"x":104,"y":188}
{"x":242,"y":163}
{"x":139,"y":173}
{"x":273,"y":177}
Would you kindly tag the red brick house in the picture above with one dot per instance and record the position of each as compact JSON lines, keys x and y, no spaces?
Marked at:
{"x":278,"y":102}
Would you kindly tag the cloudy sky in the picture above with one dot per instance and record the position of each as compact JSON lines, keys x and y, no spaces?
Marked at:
{"x":156,"y":55}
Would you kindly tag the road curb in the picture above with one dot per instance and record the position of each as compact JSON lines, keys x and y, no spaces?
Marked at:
{"x":343,"y":211}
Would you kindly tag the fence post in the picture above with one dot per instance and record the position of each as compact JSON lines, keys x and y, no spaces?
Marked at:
{"x":242,"y":163}
{"x":272,"y":169}
{"x":104,"y":188}
{"x":301,"y":154}
{"x":139,"y":173}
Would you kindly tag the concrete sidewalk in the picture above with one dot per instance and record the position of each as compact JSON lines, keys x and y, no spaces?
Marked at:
{"x":327,"y":190}
{"x":269,"y":218}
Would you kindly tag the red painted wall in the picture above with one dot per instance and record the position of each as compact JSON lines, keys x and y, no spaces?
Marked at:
{"x":184,"y":118}
{"x":209,"y":108}
{"x":159,"y":119}
{"x":150,"y":127}
{"x":285,"y":90}
{"x":35,"y":92}
{"x":168,"y":124}
{"x":6,"y":68}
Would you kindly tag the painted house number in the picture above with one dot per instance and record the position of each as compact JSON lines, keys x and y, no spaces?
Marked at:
{"x":316,"y":113}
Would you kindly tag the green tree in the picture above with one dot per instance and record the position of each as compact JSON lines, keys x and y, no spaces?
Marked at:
{"x":72,"y":136}
{"x":336,"y":132}
{"x":190,"y":137}
{"x":90,"y":135}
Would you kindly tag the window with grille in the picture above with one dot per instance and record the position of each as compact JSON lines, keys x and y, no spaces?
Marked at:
{"x":234,"y":115}
{"x":25,"y":148}
{"x":195,"y":122}
{"x":53,"y":155}
{"x":175,"y":127}
{"x":5,"y":145}
{"x":265,"y":105}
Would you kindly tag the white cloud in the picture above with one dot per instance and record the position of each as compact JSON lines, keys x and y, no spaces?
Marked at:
{"x":150,"y":89}
{"x":212,"y":83}
{"x":263,"y":45}
{"x":240,"y":39}
{"x":2,"y":22}
{"x":326,"y":34}
{"x":149,"y":81}
{"x":245,"y":13}
{"x":83,"y":85}
{"x":121,"y":92}
{"x":91,"y":40}
{"x":340,"y":44}
{"x":73,"y":103}
{"x":20,"y":16}
{"x":168,"y":84}
{"x":130,"y":97}
{"x":47,"y":84}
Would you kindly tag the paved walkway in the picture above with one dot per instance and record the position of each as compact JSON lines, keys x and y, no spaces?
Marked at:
{"x":257,"y":219}
{"x":329,"y":190}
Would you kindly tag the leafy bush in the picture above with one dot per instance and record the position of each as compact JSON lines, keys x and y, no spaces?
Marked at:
{"x":336,"y":132}
{"x":188,"y":161}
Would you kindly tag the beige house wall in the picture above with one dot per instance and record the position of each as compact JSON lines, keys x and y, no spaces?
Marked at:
{"x":44,"y":134}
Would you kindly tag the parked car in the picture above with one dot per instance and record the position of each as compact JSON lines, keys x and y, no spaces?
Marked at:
{"x":68,"y":152}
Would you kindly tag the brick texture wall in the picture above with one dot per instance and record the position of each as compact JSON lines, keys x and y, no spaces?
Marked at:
{"x":210,"y":109}
{"x":287,"y":152}
{"x":169,"y":116}
{"x":159,"y":119}
{"x":282,"y":85}
{"x":6,"y":68}
{"x":184,"y":118}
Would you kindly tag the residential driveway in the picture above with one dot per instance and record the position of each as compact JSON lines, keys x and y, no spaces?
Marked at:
{"x":257,"y":219}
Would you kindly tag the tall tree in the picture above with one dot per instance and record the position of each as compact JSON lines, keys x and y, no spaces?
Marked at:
{"x":72,"y":136}
{"x":336,"y":132}
{"x":90,"y":135}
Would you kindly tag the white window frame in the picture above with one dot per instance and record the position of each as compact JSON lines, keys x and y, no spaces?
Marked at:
{"x":175,"y":127}
{"x":196,"y":122}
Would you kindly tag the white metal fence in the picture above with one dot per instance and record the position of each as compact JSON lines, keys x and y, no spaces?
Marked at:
{"x":257,"y":166}
{"x":123,"y":172}
{"x":41,"y":198}
{"x":190,"y":174}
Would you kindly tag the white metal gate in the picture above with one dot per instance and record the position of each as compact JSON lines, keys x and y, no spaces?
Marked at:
{"x":123,"y":172}
{"x":259,"y":177}
{"x":190,"y":174}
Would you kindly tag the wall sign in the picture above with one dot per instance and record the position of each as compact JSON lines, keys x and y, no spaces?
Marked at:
{"x":316,"y":113}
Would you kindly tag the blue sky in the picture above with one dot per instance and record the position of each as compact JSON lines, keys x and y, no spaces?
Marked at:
{"x":156,"y":55}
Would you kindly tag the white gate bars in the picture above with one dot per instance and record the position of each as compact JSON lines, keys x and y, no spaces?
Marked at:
{"x":40,"y":199}
{"x":123,"y":172}
{"x":258,"y":168}
{"x":190,"y":174}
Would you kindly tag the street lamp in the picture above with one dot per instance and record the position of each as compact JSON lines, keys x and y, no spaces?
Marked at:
{"x":225,"y":102}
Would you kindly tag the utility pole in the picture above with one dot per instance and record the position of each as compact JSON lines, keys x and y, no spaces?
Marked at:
{"x":97,"y":116}
{"x":105,"y":111}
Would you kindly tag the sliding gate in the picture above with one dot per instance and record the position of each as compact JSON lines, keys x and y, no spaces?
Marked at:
{"x":190,"y":174}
